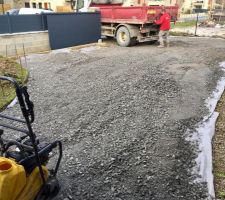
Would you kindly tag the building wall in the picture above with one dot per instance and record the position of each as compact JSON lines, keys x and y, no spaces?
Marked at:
{"x":189,"y":5}
{"x":170,"y":2}
{"x":10,"y":2}
{"x":16,"y":3}
{"x":12,"y":44}
{"x":48,"y":4}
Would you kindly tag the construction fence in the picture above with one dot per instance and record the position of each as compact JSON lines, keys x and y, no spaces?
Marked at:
{"x":193,"y":17}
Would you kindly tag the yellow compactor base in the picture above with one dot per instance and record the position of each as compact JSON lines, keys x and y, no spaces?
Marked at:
{"x":15,"y":184}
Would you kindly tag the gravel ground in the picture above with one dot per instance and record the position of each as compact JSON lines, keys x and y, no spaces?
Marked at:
{"x":122,"y":114}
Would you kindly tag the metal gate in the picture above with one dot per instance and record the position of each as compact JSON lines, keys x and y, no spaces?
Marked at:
{"x":71,"y":29}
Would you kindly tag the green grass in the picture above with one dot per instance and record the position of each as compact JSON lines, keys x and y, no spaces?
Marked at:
{"x":220,"y":174}
{"x":6,"y":97}
{"x":9,"y":67}
{"x":221,"y":194}
{"x":183,"y":24}
{"x":180,"y":34}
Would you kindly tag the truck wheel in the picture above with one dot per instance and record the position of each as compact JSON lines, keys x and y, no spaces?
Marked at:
{"x":123,"y":37}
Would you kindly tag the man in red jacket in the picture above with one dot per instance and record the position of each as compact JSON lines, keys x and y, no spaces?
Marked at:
{"x":164,"y":23}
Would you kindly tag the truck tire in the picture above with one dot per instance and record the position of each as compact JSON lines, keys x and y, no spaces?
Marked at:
{"x":123,"y":37}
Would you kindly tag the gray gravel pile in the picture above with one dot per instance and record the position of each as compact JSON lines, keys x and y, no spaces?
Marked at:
{"x":122,"y":114}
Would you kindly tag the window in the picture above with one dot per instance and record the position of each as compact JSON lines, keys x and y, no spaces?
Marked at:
{"x":80,"y":4}
{"x":46,"y":5}
{"x":40,"y":5}
{"x":27,"y":5}
{"x":198,"y":7}
{"x":34,"y":5}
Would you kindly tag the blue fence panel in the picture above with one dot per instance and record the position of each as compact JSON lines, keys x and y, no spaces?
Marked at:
{"x":22,"y":23}
{"x":4,"y":24}
{"x":25,"y":23}
{"x":70,"y":29}
{"x":65,"y":29}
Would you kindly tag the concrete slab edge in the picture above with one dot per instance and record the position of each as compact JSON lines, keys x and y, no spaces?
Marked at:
{"x":22,"y":33}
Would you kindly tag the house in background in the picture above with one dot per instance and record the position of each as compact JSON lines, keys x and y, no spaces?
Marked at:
{"x":16,"y":3}
{"x":47,"y":4}
{"x":43,"y":4}
{"x":186,"y":6}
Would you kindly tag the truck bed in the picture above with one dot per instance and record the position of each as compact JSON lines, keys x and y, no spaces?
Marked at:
{"x":133,"y":14}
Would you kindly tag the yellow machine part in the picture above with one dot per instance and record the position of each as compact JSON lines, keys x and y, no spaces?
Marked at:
{"x":34,"y":183}
{"x":12,"y":179}
{"x":15,"y":185}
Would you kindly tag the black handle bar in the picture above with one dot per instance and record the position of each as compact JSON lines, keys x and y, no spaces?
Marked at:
{"x":26,"y":107}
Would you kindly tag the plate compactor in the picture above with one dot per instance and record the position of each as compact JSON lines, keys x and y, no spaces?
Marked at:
{"x":24,"y":174}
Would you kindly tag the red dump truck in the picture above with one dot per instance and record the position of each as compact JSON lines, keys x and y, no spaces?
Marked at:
{"x":132,"y":24}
